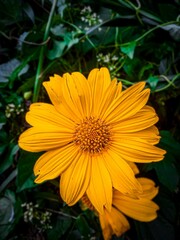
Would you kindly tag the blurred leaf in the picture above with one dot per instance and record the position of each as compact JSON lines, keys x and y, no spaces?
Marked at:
{"x":61,"y":4}
{"x":29,"y":11}
{"x":143,"y":70}
{"x":57,"y":50}
{"x":60,"y":46}
{"x":153,"y":81}
{"x":155,"y":230}
{"x":131,"y":67}
{"x":58,"y":30}
{"x":25,"y":178}
{"x":18,"y":71}
{"x":165,"y":199}
{"x":2,"y":120}
{"x":83,"y":226}
{"x":7,"y":155}
{"x":168,"y":11}
{"x":6,"y":69}
{"x":129,"y":49}
{"x":174,"y":31}
{"x":47,"y":195}
{"x":6,"y":216}
{"x":167,"y":167}
{"x":60,"y":227}
{"x":8,"y":179}
{"x":10,"y":12}
{"x":169,"y":143}
{"x":10,"y":213}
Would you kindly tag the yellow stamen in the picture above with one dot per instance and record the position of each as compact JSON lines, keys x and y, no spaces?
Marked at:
{"x":92,"y":135}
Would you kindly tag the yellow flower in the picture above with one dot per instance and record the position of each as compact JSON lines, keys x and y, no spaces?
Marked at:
{"x":141,"y":208}
{"x":91,"y":132}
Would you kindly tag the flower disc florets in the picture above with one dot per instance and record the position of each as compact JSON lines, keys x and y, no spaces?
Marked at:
{"x":92,"y":135}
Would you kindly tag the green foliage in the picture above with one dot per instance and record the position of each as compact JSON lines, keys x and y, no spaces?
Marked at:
{"x":137,"y":41}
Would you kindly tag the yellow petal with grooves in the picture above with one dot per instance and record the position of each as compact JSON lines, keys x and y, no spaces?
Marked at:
{"x":75,"y":179}
{"x":52,"y":163}
{"x":122,"y":175}
{"x":46,"y":114}
{"x":141,"y":120}
{"x":134,"y":89}
{"x":84,"y":92}
{"x":120,"y":110}
{"x":141,"y":209}
{"x":99,"y":80}
{"x":137,"y":150}
{"x":125,"y":96}
{"x":44,"y":138}
{"x":118,"y":90}
{"x":99,"y":190}
{"x":53,"y":88}
{"x":112,"y":223}
{"x":149,"y":189}
{"x":150,"y":135}
{"x":70,"y":98}
{"x":108,"y":97}
{"x":133,"y":167}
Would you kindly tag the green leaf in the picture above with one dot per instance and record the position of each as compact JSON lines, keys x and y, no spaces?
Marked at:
{"x":29,"y":11}
{"x":10,"y":213}
{"x":165,"y":199}
{"x":158,"y":229}
{"x":25,"y":178}
{"x":169,"y":143}
{"x":83,"y":226}
{"x":6,"y":216}
{"x":60,"y":227}
{"x":9,"y":150}
{"x":166,"y":169}
{"x":2,"y":120}
{"x":153,"y":81}
{"x":57,"y":50}
{"x":129,"y":49}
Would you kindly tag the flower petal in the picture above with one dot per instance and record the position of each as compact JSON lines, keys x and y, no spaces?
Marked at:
{"x":44,"y":138}
{"x":84,"y":92}
{"x":41,"y":114}
{"x":113,"y":222}
{"x":141,"y":209}
{"x":52,"y":163}
{"x":70,"y":97}
{"x":150,"y":135}
{"x":122,"y":175}
{"x":143,"y":119}
{"x":133,"y":167}
{"x":99,"y":80}
{"x":149,"y":189}
{"x":108,"y":97}
{"x":75,"y":179}
{"x":54,"y":89}
{"x":99,"y":190}
{"x":127,"y":105}
{"x":137,"y":150}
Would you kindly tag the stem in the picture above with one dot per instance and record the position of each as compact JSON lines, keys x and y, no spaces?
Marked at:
{"x":38,"y":79}
{"x":148,"y":32}
{"x":11,"y":176}
{"x":170,"y":83}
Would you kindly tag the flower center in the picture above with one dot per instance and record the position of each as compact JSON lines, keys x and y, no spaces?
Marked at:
{"x":92,"y":135}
